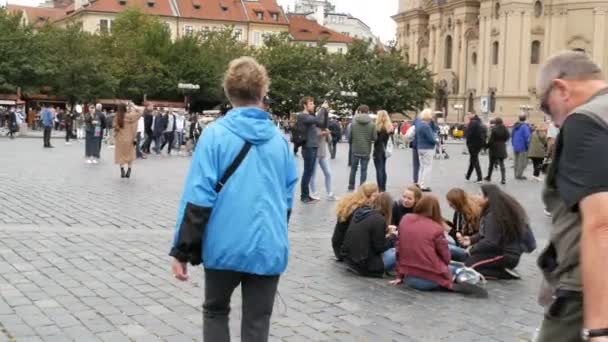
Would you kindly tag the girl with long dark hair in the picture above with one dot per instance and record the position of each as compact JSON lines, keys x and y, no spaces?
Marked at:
{"x":125,"y":130}
{"x":503,"y":236}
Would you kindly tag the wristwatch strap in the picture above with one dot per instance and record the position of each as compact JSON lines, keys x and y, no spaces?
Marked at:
{"x":591,"y":333}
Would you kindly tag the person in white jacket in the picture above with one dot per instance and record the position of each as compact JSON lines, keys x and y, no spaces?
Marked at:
{"x":180,"y":122}
{"x":138,"y":137}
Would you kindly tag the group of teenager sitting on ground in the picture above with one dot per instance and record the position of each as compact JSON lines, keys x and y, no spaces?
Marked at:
{"x":410,"y":239}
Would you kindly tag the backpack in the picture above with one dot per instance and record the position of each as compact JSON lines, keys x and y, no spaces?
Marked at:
{"x":298,"y":134}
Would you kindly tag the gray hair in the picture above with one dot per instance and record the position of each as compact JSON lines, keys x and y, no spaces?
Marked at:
{"x":98,"y":106}
{"x":570,"y":65}
{"x":426,"y":114}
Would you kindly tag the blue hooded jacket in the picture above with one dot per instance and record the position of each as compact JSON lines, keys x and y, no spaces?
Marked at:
{"x":47,"y":117}
{"x":245,"y":229}
{"x":425,"y":136}
{"x":520,"y":137}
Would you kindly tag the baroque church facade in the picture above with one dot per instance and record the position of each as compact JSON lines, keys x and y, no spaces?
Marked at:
{"x":485,"y":54}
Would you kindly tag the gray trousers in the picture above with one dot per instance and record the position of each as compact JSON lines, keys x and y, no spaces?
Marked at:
{"x":563,"y":321}
{"x":258,"y":293}
{"x":521,"y":162}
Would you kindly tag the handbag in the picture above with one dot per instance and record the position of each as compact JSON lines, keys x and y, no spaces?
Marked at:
{"x":388,"y":150}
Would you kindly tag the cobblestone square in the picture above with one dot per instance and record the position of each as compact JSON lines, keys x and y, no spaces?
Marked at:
{"x":83,"y":257}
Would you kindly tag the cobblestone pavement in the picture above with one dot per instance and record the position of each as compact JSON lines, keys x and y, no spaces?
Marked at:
{"x":83,"y":257}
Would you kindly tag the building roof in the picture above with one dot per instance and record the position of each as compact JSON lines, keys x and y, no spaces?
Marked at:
{"x":268,"y":8}
{"x":37,"y":16}
{"x":153,"y":7}
{"x":222,"y":10}
{"x":306,"y":30}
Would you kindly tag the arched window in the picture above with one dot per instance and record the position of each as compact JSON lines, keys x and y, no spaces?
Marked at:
{"x":495,"y":53}
{"x":474,"y":58}
{"x":538,"y":8}
{"x":497,"y":10}
{"x":407,"y":58}
{"x":492,"y":103}
{"x":471,"y":104}
{"x":535,"y":53}
{"x":448,"y":52}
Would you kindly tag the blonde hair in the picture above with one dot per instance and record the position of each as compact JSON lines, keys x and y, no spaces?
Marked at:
{"x":246,"y":82}
{"x":355,"y":200}
{"x":426,"y":115}
{"x":383,"y":121}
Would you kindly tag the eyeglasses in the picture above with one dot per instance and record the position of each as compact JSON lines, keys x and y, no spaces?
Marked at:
{"x":544,"y":105}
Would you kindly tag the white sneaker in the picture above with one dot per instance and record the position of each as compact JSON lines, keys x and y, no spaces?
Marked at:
{"x":332,"y":197}
{"x":95,"y":161}
{"x":538,"y":179}
{"x":68,"y":143}
{"x":314,"y":197}
{"x":547,"y":213}
{"x":89,"y":161}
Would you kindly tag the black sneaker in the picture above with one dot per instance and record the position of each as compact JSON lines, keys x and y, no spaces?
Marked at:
{"x":470,"y":290}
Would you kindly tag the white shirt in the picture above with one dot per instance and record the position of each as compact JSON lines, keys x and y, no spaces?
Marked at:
{"x":140,"y":125}
{"x":179,"y":123}
{"x":552,"y":131}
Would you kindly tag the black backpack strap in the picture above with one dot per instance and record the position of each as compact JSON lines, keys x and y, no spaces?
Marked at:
{"x":233,"y":167}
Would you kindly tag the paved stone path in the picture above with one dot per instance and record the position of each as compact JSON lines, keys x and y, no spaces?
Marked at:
{"x":83,"y":257}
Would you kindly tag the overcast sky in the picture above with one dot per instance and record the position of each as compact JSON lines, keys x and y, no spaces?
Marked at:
{"x":375,"y":13}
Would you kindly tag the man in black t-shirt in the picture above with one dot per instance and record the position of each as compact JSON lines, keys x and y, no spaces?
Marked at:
{"x":573,"y":92}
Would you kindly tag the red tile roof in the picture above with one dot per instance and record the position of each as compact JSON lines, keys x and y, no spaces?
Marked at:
{"x":267,"y":8}
{"x":306,"y":30}
{"x":160,"y":7}
{"x":222,"y":10}
{"x":37,"y":16}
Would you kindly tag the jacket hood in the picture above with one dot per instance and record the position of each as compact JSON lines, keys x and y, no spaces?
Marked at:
{"x":519,"y":124}
{"x":363,"y":118}
{"x":250,"y":123}
{"x":362,"y":213}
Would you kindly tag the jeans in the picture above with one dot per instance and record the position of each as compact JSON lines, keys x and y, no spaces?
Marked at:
{"x":147,"y":142}
{"x":350,"y":154}
{"x":493,"y":163}
{"x":474,"y":163}
{"x":426,"y":166}
{"x":310,"y":157}
{"x":389,"y":258}
{"x":326,"y":173}
{"x":179,"y":140}
{"x":457,"y":253}
{"x":353,"y":171}
{"x":416,"y":164}
{"x":158,"y":140}
{"x":47,"y":136}
{"x":538,"y":165}
{"x":380,"y":164}
{"x":258,"y":293}
{"x":168,"y":141}
{"x":521,"y":162}
{"x":424,"y":284}
{"x":334,"y":148}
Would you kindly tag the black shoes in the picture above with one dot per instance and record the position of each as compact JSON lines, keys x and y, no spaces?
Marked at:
{"x":122,"y":172}
{"x":128,"y":174}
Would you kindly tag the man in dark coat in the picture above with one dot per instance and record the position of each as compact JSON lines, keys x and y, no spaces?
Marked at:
{"x":159,"y":126}
{"x":476,"y":140}
{"x":148,"y":120}
{"x":497,"y":145}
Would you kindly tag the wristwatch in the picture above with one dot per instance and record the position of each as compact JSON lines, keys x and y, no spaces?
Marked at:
{"x":588,"y":334}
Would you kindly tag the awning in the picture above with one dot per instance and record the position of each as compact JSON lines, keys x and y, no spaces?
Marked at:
{"x":7,"y":102}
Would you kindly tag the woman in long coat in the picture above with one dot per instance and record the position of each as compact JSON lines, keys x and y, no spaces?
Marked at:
{"x":94,"y":124}
{"x":498,"y":149}
{"x":125,"y":131}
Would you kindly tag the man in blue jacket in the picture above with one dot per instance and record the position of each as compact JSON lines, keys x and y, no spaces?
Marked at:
{"x":47,"y":123}
{"x":233,"y":216}
{"x":521,"y":142}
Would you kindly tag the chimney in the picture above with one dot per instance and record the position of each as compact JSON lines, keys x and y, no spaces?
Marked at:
{"x":320,"y":14}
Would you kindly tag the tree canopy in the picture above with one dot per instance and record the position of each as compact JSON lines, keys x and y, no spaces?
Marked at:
{"x":138,"y":58}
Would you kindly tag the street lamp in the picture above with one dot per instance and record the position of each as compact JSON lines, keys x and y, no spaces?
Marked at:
{"x":185,"y":87}
{"x":526,"y":108}
{"x":458,"y":108}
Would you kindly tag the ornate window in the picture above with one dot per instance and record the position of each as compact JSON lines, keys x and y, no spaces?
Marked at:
{"x":495,"y":53}
{"x":538,"y":8}
{"x":535,"y":53}
{"x":448,"y":52}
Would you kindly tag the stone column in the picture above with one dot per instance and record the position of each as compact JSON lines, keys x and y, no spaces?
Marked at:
{"x":436,"y":55}
{"x":415,"y":49}
{"x":410,"y":49}
{"x":431,"y":52}
{"x":462,"y":60}
{"x":547,"y":38}
{"x":502,"y":51}
{"x":456,"y":49}
{"x":482,"y":57}
{"x":526,"y":50}
{"x":599,"y":23}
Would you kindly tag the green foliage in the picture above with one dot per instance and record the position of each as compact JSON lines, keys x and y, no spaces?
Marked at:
{"x":140,"y":58}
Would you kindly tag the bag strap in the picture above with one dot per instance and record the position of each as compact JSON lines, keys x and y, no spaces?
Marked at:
{"x":233,"y":167}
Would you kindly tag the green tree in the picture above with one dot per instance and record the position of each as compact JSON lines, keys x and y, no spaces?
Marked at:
{"x":71,"y":65}
{"x":18,"y":58}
